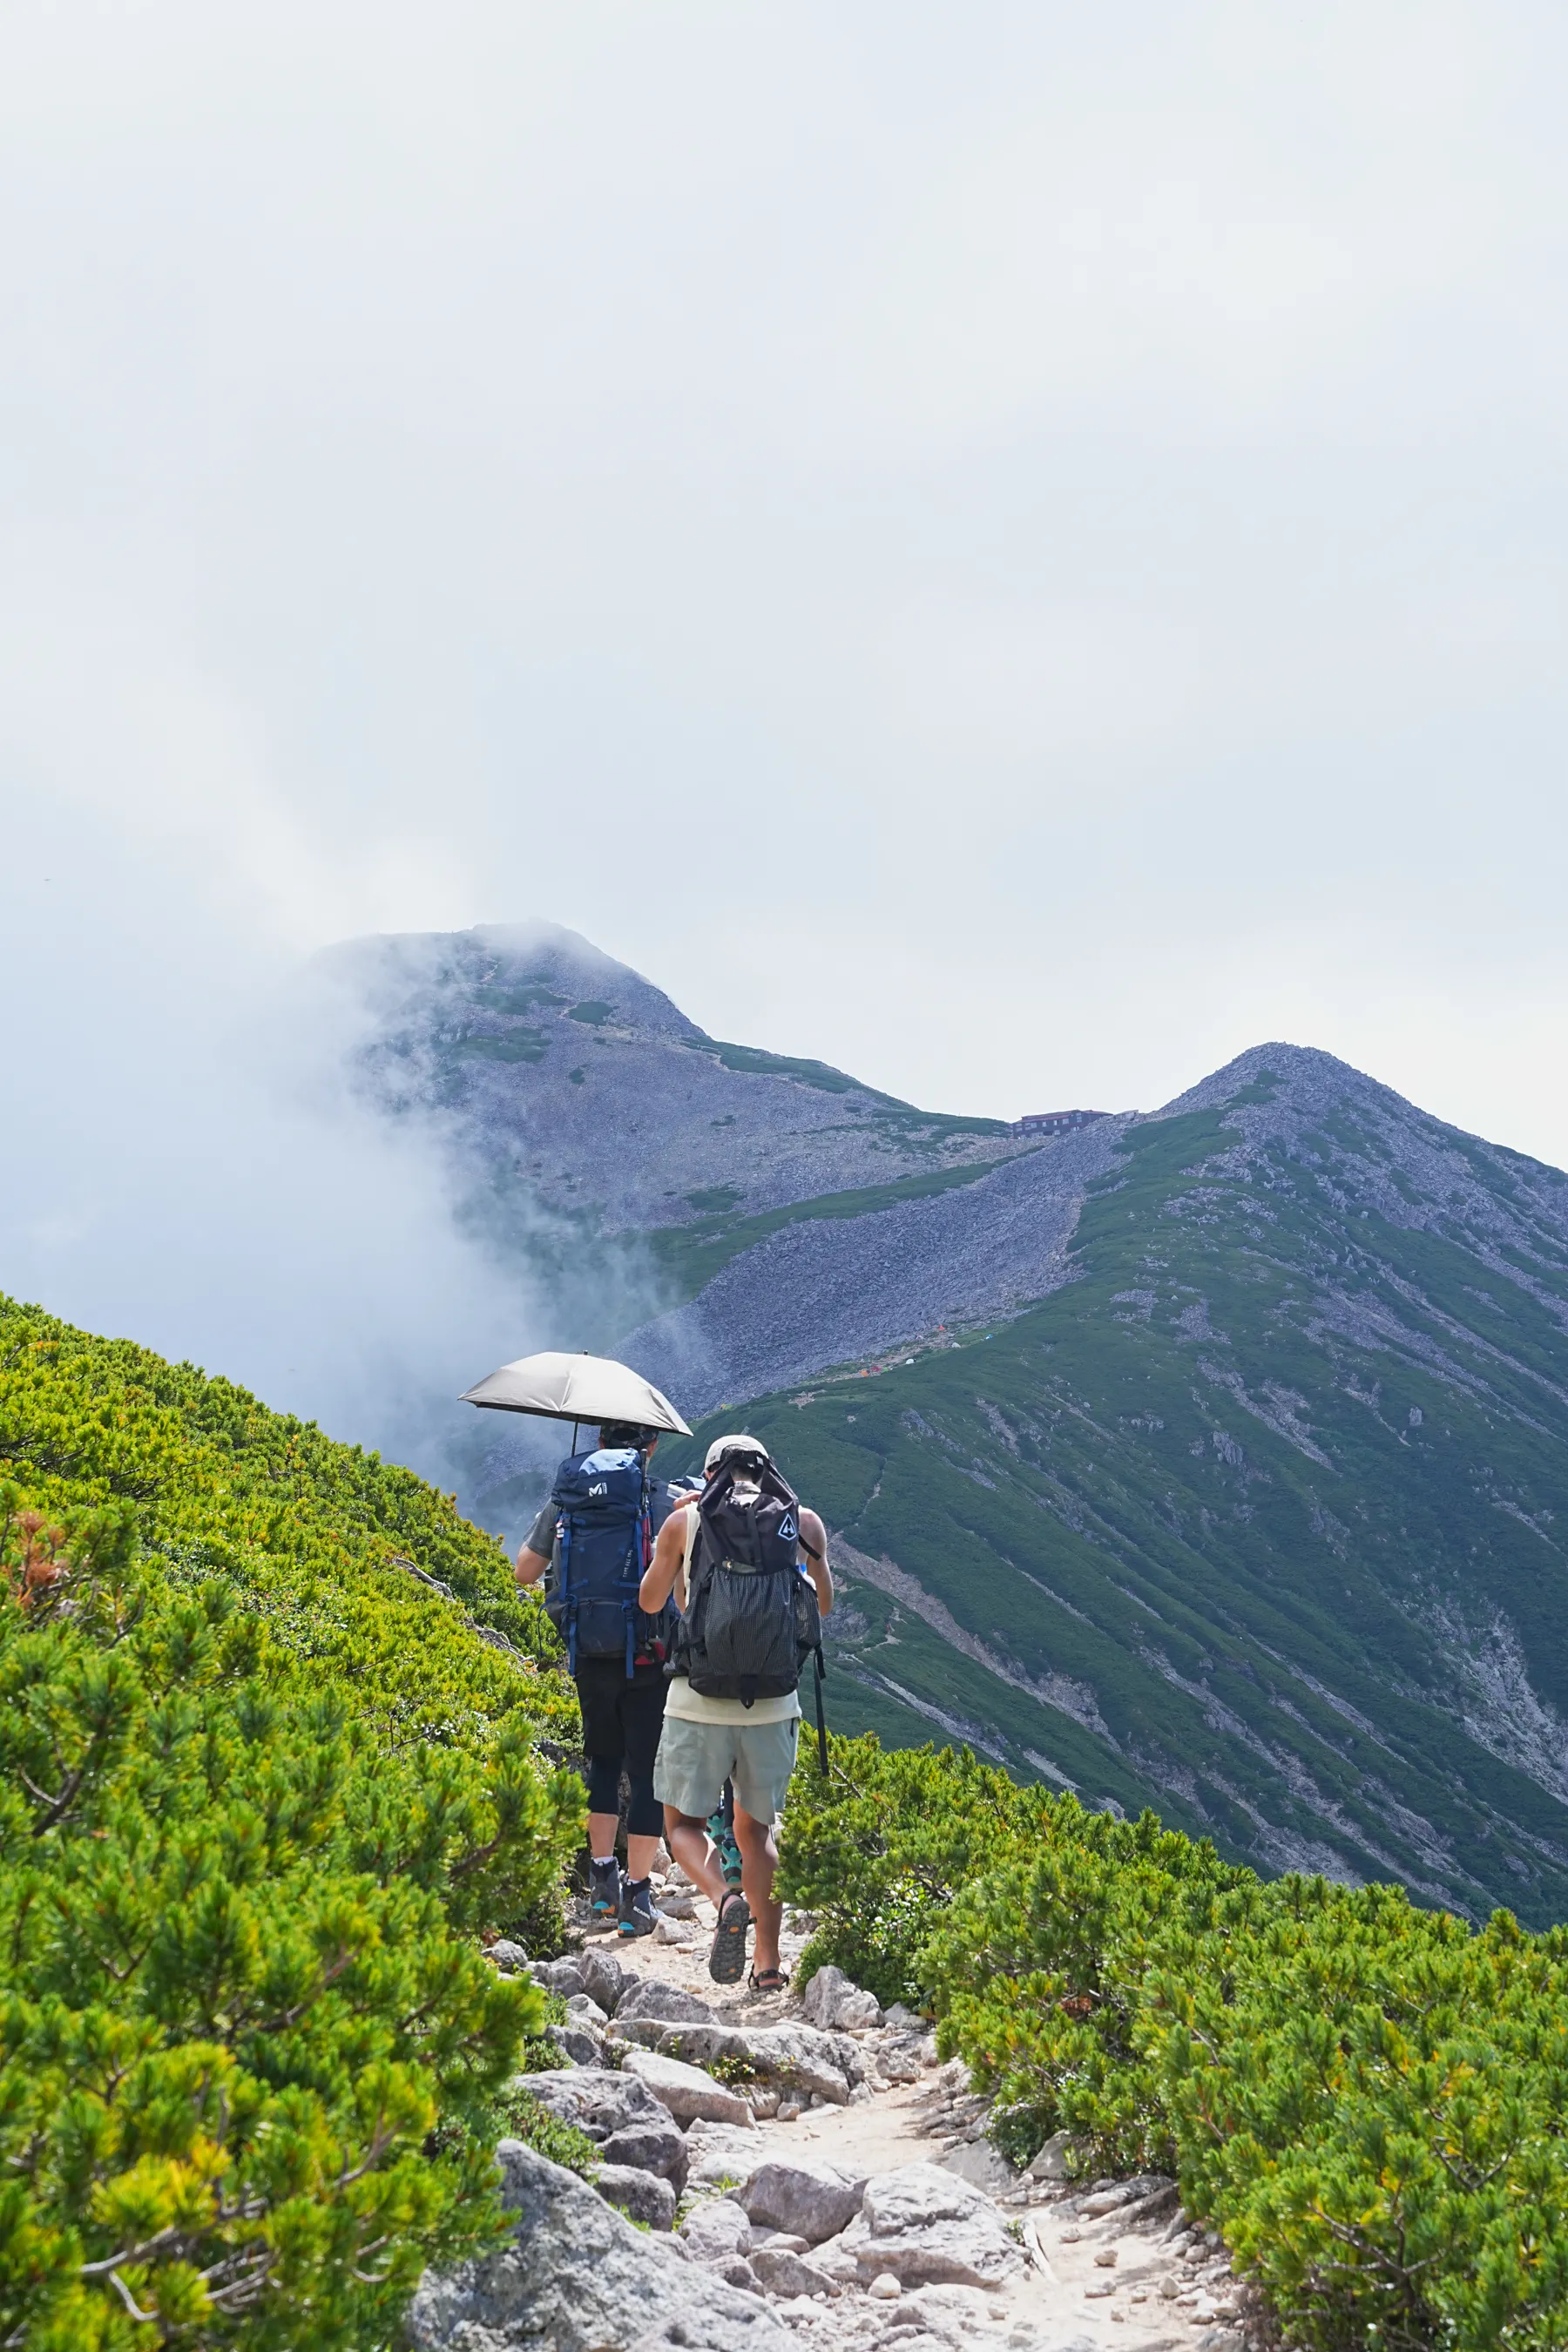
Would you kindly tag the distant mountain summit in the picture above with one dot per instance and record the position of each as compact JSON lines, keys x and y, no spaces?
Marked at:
{"x":578,"y":1080}
{"x":1215,"y":1458}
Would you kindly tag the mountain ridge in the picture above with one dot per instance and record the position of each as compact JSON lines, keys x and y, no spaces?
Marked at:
{"x":1207,"y":1457}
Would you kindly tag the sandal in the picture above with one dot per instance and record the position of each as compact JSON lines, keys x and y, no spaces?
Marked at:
{"x":727,"y":1961}
{"x":764,"y":1981}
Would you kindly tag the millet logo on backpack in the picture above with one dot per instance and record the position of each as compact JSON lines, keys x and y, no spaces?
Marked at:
{"x":599,"y":1488}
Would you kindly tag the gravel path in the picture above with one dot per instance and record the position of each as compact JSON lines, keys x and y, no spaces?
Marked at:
{"x":1109,"y":2264}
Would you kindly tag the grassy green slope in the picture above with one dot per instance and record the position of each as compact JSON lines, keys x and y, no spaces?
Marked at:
{"x":1261,"y":1507}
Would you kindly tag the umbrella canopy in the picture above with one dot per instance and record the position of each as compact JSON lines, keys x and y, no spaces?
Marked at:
{"x":576,"y":1388}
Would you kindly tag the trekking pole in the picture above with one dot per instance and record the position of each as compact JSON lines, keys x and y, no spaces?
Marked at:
{"x":821,"y":1715}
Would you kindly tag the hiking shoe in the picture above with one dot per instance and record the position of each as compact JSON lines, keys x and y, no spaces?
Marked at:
{"x":604,"y":1888}
{"x":729,"y":1852}
{"x":636,"y":1914}
{"x":727,"y":1961}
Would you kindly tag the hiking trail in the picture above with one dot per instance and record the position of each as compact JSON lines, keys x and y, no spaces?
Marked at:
{"x":1065,"y":2266}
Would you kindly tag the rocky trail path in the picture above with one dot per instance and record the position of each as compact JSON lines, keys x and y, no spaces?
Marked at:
{"x":805,"y":2173}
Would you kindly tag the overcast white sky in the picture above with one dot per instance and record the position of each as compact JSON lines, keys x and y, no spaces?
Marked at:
{"x":1021,"y":549}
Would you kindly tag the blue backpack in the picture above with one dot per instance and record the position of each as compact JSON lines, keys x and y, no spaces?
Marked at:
{"x":605,"y":1524}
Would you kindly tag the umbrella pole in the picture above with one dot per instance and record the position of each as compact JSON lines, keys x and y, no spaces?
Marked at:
{"x":574,"y":1437}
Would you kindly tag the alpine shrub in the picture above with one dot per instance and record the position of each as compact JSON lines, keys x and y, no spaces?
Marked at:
{"x":269,"y":1761}
{"x":879,"y":1852}
{"x":1369,"y":2101}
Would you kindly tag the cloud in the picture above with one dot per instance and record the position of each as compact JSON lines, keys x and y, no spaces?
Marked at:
{"x":1059,"y":509}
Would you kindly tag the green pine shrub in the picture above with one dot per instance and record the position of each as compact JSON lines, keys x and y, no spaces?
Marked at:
{"x":270,"y":1726}
{"x":878,"y":1851}
{"x":523,"y":2116}
{"x":359,"y":1569}
{"x":1369,"y":2101}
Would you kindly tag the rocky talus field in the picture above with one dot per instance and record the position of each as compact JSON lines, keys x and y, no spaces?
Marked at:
{"x":806,"y":2172}
{"x":1211,"y":1458}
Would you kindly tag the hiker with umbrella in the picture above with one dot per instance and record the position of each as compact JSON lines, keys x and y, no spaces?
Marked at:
{"x":593,"y":1540}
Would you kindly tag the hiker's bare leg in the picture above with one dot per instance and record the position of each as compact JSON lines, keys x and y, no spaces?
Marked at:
{"x":759,"y":1862}
{"x":640,"y":1852}
{"x":603,"y":1829}
{"x":686,"y":1834}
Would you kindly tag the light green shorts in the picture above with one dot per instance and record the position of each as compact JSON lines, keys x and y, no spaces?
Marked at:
{"x":695,"y":1760}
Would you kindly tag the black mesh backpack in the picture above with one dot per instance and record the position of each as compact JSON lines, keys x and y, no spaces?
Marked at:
{"x":752,"y":1618}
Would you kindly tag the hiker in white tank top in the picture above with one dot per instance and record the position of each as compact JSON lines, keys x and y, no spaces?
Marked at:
{"x":708,"y":1740}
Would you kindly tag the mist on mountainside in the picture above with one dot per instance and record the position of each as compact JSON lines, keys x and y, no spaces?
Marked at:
{"x":193,"y":1168}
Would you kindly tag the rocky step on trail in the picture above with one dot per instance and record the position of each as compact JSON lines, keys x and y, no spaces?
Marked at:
{"x":831,"y":2186}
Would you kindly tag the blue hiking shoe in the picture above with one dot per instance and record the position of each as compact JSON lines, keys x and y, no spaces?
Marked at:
{"x":604,"y":1889}
{"x":636,"y":1915}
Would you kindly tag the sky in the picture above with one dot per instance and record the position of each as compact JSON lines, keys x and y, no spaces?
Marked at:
{"x":1019,"y":550}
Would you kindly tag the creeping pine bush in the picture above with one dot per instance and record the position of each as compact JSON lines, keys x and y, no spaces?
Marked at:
{"x":272,"y":1718}
{"x":1369,"y":2101}
{"x":239,"y":1995}
{"x":358,"y":1569}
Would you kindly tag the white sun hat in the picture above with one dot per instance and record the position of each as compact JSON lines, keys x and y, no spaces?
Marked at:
{"x":722,"y":1445}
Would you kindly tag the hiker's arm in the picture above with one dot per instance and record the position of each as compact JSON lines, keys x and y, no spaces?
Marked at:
{"x":531,"y":1562}
{"x":814,"y":1533}
{"x":662,"y":1572}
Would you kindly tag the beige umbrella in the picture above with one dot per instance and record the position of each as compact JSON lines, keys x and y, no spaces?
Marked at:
{"x":575,"y":1388}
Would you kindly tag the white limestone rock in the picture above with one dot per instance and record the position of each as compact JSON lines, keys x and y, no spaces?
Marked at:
{"x":716,"y":2229}
{"x":719,"y":2157}
{"x":596,"y":1971}
{"x":690,"y":2095}
{"x":579,"y":2047}
{"x":651,"y":2146}
{"x":783,"y":2272}
{"x":649,"y":1996}
{"x":577,"y":2276}
{"x":832,"y":2256}
{"x":921,"y":2223}
{"x":620,"y":2113}
{"x":1050,"y":2162}
{"x":982,"y":2166}
{"x":834,"y":2001}
{"x":640,"y":2195}
{"x":813,"y":2201}
{"x":800,"y":2057}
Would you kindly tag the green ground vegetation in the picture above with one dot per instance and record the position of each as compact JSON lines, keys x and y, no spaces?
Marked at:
{"x":805,"y":1072}
{"x":274,"y":1750}
{"x":518,"y":1045}
{"x":1368,"y":2100}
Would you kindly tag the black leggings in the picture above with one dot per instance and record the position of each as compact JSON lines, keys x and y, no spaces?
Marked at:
{"x":622,"y":1721}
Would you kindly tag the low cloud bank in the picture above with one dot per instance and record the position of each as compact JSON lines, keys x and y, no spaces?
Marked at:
{"x":190,"y":1166}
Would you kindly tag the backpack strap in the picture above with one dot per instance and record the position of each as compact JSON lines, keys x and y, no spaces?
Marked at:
{"x":632,"y":1610}
{"x":569,"y":1598}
